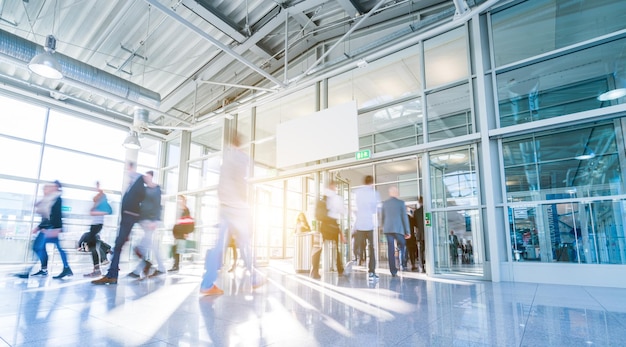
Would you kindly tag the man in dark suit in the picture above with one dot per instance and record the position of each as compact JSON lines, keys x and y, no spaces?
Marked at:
{"x":418,"y":215}
{"x":453,"y":243}
{"x":395,"y":227}
{"x":131,"y":203}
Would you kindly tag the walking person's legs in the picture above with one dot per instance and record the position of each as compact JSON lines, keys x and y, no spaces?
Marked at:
{"x":126,"y":226}
{"x":337,"y":245}
{"x":143,"y":248}
{"x":213,"y":260}
{"x":401,"y":242}
{"x":66,"y":266}
{"x":371,"y":267}
{"x":391,"y":253}
{"x":156,"y":253}
{"x":39,"y":247}
{"x":241,"y":227}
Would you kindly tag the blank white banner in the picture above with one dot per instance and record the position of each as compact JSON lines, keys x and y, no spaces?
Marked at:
{"x":327,"y":133}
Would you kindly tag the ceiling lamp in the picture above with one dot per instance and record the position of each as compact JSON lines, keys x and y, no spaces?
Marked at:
{"x":132,"y":141}
{"x":612,"y":94}
{"x":45,"y":64}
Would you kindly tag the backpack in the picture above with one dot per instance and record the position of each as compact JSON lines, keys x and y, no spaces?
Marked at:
{"x":321,"y":210}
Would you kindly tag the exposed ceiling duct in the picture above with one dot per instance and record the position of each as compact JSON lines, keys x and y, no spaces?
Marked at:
{"x":23,"y":50}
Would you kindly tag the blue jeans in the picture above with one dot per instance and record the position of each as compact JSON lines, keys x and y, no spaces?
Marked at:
{"x":233,"y":222}
{"x":39,"y":246}
{"x":391,"y":250}
{"x":123,"y":234}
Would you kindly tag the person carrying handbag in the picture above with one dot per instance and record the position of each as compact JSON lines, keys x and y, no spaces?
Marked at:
{"x":90,"y":241}
{"x":183,"y":227}
{"x":51,"y":225}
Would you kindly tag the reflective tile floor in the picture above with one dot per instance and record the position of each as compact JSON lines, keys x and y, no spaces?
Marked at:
{"x":293,"y":310}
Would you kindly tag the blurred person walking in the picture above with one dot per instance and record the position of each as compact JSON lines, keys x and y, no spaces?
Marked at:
{"x":366,"y":200}
{"x":51,"y":225}
{"x":149,"y":218}
{"x":234,"y":218}
{"x":418,"y":215}
{"x":330,"y":229}
{"x":395,"y":227}
{"x":183,"y":227}
{"x":90,"y":241}
{"x":130,"y":209}
{"x":411,"y":243}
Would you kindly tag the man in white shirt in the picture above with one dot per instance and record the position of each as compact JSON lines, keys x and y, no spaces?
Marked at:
{"x":367,"y":200}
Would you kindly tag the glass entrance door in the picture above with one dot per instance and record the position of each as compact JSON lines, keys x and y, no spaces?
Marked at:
{"x":456,"y":233}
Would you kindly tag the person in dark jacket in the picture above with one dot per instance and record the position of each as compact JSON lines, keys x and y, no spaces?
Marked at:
{"x":418,"y":215}
{"x":395,"y":227}
{"x":50,"y":209}
{"x":411,"y":244}
{"x":129,"y":210}
{"x":150,"y":216}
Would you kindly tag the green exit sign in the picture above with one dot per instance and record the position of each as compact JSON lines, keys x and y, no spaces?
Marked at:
{"x":66,"y":208}
{"x":364,"y":154}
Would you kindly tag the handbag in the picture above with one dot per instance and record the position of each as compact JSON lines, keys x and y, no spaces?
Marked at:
{"x":184,"y":225}
{"x":103,"y":205}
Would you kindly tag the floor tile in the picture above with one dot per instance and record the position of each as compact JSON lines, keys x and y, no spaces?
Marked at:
{"x":295,"y":310}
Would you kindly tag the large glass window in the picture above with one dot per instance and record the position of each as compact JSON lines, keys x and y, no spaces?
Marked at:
{"x":149,"y":155}
{"x":78,"y":153}
{"x":13,"y":154}
{"x":85,"y":135}
{"x":535,"y":27}
{"x":449,"y":113}
{"x":453,"y":178}
{"x":584,"y":161}
{"x":446,"y":58}
{"x":205,"y":158}
{"x":16,"y":218}
{"x":80,"y":169}
{"x":556,"y":184}
{"x":562,"y":85}
{"x":269,"y":116}
{"x":395,"y":126}
{"x":21,"y":120}
{"x":380,"y":82}
{"x":569,"y":230}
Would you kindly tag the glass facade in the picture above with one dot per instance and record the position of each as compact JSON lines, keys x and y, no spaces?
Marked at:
{"x":533,"y":177}
{"x":563,"y":186}
{"x":42,"y":144}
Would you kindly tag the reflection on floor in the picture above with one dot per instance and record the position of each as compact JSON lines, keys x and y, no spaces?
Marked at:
{"x":293,"y":310}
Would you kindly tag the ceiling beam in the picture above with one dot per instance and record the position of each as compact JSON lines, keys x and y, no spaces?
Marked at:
{"x":215,"y":19}
{"x":346,"y":35}
{"x":168,"y":11}
{"x":223,"y":60}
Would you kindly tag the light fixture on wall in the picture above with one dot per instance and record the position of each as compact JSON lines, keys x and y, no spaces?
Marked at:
{"x":132,"y":141}
{"x":612,"y":94}
{"x":45,"y":64}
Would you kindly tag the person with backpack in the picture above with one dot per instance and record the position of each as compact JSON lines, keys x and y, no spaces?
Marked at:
{"x":327,"y":212}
